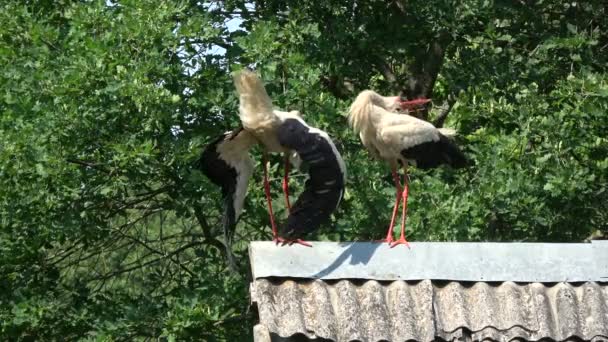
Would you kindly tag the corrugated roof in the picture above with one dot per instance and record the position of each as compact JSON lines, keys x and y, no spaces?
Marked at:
{"x":427,"y":310}
{"x":435,"y":291}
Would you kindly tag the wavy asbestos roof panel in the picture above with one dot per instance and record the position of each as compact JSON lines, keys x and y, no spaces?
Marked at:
{"x":346,"y":310}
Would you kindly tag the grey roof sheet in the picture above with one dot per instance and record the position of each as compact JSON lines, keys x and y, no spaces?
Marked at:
{"x":347,"y":310}
{"x":459,"y":261}
{"x":446,"y":291}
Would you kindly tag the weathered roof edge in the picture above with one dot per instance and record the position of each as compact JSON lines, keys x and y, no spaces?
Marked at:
{"x":453,"y":261}
{"x":429,"y":311}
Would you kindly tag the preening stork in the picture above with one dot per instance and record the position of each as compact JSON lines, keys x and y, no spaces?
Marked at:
{"x":286,"y":132}
{"x":226,"y":162}
{"x":260,"y":119}
{"x":401,"y":139}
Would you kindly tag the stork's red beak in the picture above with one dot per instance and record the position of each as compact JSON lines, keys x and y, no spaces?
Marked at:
{"x":413,"y":103}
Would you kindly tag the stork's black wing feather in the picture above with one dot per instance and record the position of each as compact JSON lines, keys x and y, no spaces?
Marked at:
{"x":223,"y":175}
{"x":431,"y":154}
{"x":217,"y":169}
{"x":325,"y":186}
{"x":229,"y":228}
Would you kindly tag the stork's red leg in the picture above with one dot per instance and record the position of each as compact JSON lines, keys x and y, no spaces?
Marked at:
{"x":275,"y":234}
{"x":286,"y":182}
{"x":402,"y":239}
{"x":389,"y":234}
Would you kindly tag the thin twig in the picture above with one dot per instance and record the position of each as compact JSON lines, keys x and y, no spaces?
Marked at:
{"x":150,"y":262}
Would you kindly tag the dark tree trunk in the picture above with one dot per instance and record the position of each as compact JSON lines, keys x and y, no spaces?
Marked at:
{"x":423,"y":71}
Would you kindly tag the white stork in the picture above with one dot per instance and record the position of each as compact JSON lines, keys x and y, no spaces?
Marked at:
{"x":400,"y":139}
{"x":286,"y":132}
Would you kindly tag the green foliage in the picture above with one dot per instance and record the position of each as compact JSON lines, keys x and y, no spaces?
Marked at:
{"x":108,"y":233}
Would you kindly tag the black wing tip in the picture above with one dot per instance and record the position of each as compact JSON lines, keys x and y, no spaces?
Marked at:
{"x":293,"y":233}
{"x":455,"y":157}
{"x":460,"y":162}
{"x":289,"y":231}
{"x":229,"y":225}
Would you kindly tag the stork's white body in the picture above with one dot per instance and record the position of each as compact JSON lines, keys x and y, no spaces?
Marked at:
{"x":265,"y":123}
{"x":259,"y":117}
{"x":235,"y":152}
{"x":400,"y":138}
{"x":256,"y":112}
{"x":385,"y":133}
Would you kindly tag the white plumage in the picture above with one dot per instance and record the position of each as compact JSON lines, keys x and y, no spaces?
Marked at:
{"x":235,"y":152}
{"x":400,"y":139}
{"x":384,"y":132}
{"x":226,"y":162}
{"x":264,"y":122}
{"x":256,"y":111}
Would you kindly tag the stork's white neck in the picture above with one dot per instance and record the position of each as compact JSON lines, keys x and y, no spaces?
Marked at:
{"x":386,"y":102}
{"x":361,"y":116}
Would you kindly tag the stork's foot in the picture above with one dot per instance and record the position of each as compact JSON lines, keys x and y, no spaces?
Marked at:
{"x":279,"y":240}
{"x":401,"y":241}
{"x":388,"y":240}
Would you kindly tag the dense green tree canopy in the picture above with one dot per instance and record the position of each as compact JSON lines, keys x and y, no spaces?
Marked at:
{"x":107,"y":231}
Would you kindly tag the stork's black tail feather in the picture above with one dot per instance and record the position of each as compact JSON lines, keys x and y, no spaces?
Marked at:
{"x":452,"y":155}
{"x":229,"y":227}
{"x":432,"y":154}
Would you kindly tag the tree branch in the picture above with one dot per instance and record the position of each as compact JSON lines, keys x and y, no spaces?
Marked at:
{"x":387,"y":72}
{"x":424,"y":70}
{"x":144,"y":197}
{"x":440,"y":119}
{"x":65,"y":253}
{"x":339,"y":88}
{"x":147,"y":263}
{"x":426,"y":67}
{"x":96,"y":166}
{"x":156,"y":251}
{"x":215,"y":41}
{"x":400,"y":5}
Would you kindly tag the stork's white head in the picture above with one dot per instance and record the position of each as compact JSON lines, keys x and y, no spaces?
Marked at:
{"x":360,"y":110}
{"x":392,"y":104}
